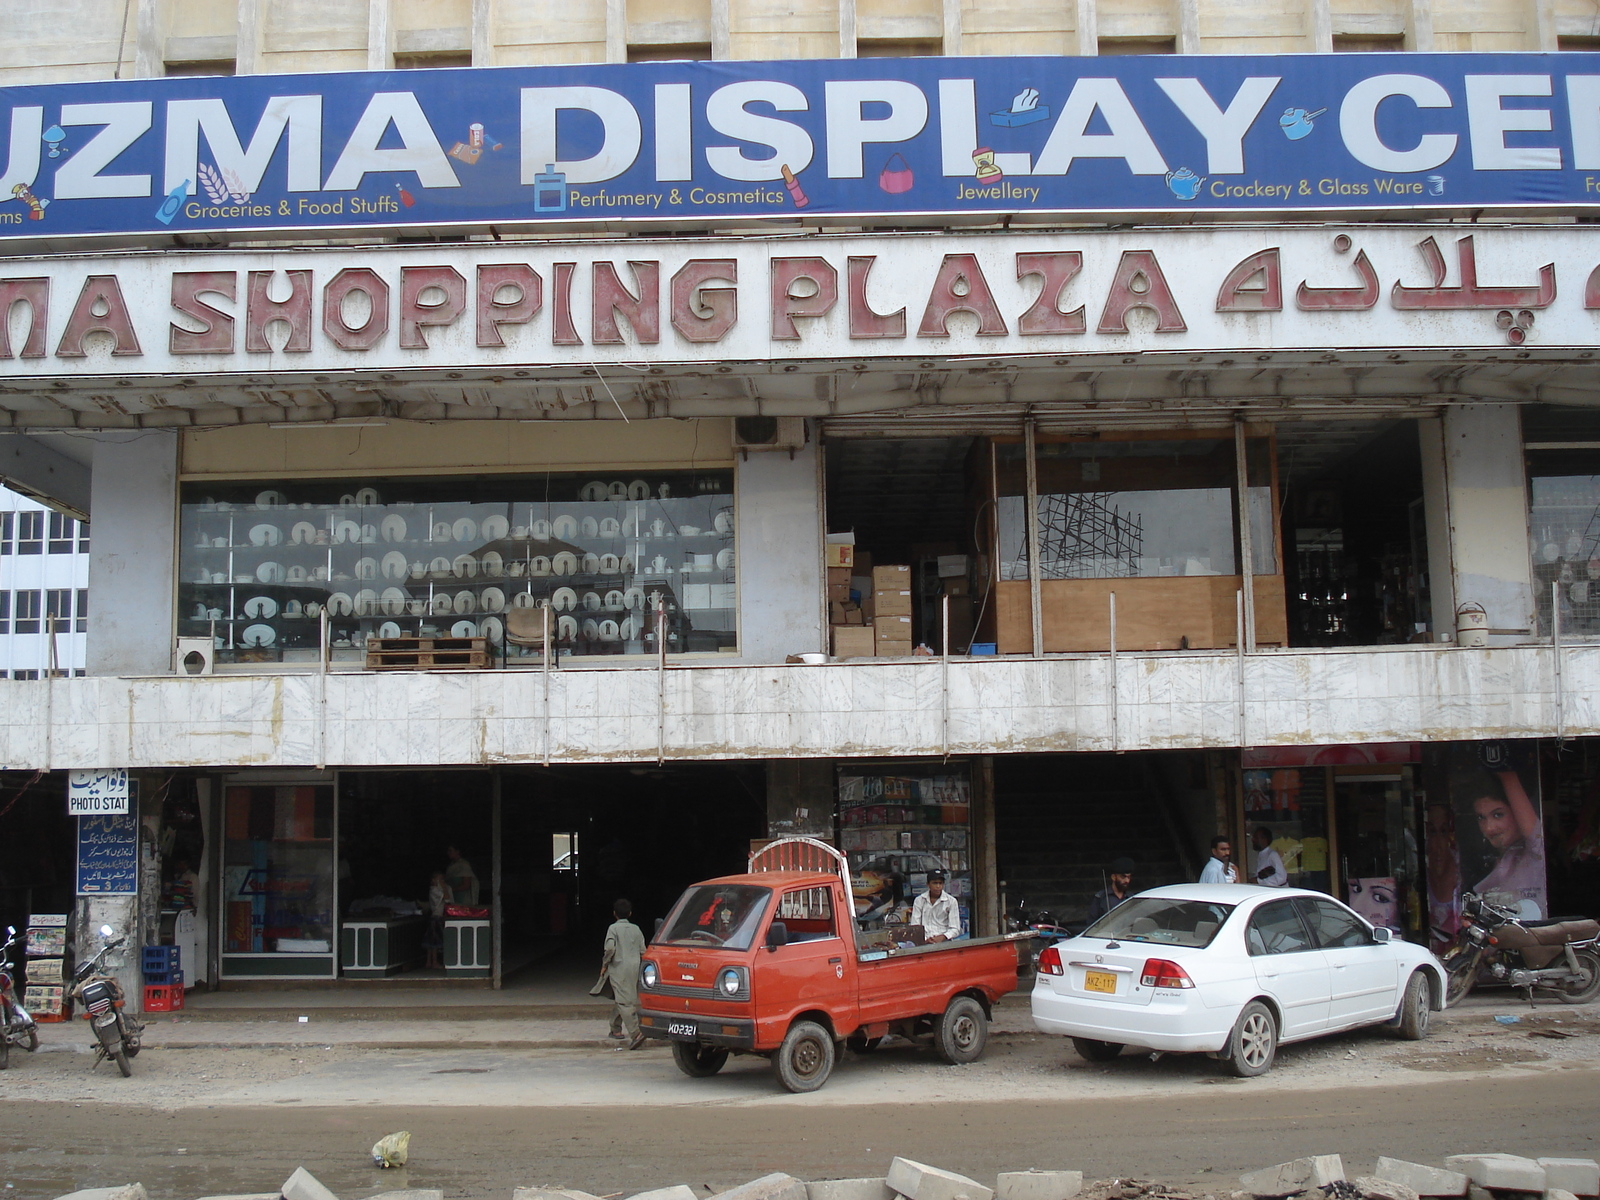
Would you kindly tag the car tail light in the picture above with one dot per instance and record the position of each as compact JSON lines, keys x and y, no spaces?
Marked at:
{"x":1163,"y":973}
{"x":1050,"y":962}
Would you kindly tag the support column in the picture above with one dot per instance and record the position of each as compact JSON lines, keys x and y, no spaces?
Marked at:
{"x":380,"y":35}
{"x":247,"y":53}
{"x":985,"y":903}
{"x":1487,"y":495}
{"x":1319,"y":20}
{"x":616,"y":31}
{"x":132,"y":559}
{"x":1188,"y":39}
{"x":847,"y":28}
{"x":148,"y":59}
{"x":483,"y":33}
{"x":779,"y":504}
{"x":1436,"y":519}
{"x":952,"y":27}
{"x":1088,"y":28}
{"x":1419,"y":26}
{"x":721,"y":30}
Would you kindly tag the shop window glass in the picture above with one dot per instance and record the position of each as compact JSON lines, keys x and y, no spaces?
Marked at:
{"x":466,"y":558}
{"x":30,"y":533}
{"x":897,"y":822}
{"x":1564,"y":536}
{"x":61,"y":533}
{"x":1136,"y":509}
{"x":28,"y":605}
{"x":1276,"y":928}
{"x":278,"y":870}
{"x":1011,"y":507}
{"x":1291,"y":804}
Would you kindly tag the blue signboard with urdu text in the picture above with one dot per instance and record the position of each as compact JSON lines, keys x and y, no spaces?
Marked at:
{"x":874,"y":138}
{"x":108,"y":855}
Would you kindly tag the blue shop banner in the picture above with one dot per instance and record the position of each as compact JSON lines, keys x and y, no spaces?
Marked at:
{"x":874,"y":139}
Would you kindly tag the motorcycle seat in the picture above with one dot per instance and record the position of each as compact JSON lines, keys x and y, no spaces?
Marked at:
{"x":1563,"y":932}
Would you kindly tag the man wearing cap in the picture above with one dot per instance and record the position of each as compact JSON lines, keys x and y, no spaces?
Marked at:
{"x":938,"y":914}
{"x":1107,"y":898}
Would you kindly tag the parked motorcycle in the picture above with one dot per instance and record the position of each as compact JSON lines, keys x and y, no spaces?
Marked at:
{"x":1042,"y":925}
{"x":116,"y":1033}
{"x":1557,"y":956}
{"x":16,"y":1026}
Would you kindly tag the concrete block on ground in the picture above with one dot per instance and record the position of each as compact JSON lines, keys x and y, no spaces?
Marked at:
{"x":1508,"y":1172}
{"x":1558,"y":1194}
{"x":540,"y":1193}
{"x":410,"y":1194}
{"x":777,"y":1186}
{"x":918,"y":1181}
{"x":303,"y":1185}
{"x":1288,"y":1178}
{"x":122,"y":1191}
{"x":849,"y":1189}
{"x":1424,"y":1180}
{"x":1580,"y":1176}
{"x":1038,"y":1185}
{"x":678,"y":1191}
{"x":1372,"y":1187}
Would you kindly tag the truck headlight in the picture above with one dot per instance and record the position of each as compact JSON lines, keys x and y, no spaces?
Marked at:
{"x":730,"y":981}
{"x":648,"y":975}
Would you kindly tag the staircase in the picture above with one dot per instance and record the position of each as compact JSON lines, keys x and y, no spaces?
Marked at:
{"x":1060,"y":820}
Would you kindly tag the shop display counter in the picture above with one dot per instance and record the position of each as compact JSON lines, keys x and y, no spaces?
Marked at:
{"x":379,"y":947}
{"x":468,"y":948}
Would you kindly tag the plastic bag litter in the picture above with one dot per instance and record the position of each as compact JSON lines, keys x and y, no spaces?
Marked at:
{"x":391,"y":1151}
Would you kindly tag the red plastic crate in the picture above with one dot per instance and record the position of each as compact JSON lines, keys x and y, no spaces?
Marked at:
{"x":163,"y":998}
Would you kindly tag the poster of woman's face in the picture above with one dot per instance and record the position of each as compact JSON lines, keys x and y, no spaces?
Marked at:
{"x":1497,"y":835}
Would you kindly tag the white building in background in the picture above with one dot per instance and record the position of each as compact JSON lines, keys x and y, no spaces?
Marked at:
{"x":44,"y":589}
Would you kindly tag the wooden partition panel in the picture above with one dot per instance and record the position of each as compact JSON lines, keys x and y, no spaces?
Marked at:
{"x":1152,"y":614}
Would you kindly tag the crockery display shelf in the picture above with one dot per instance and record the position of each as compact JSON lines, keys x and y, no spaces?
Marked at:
{"x":427,"y":654}
{"x":258,"y":577}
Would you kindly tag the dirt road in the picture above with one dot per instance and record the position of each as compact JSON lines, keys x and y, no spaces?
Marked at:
{"x":199,"y":1120}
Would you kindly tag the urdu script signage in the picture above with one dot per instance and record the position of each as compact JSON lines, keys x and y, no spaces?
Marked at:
{"x":869,"y":138}
{"x":487,"y":307}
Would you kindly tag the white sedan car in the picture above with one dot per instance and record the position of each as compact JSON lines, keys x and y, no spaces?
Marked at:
{"x":1233,"y":970}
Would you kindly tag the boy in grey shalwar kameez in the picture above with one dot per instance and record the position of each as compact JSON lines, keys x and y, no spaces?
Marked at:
{"x":620,"y":967}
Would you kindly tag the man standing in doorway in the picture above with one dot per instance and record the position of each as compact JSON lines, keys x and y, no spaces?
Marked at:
{"x":1120,"y":873}
{"x":619,"y":968}
{"x":1269,"y":863}
{"x":461,"y":879}
{"x":938,"y":914}
{"x":1219,"y":869}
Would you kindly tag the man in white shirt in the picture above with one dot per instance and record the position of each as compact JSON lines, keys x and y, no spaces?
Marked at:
{"x":1218,"y":869}
{"x":938,"y":914}
{"x":1269,"y":863}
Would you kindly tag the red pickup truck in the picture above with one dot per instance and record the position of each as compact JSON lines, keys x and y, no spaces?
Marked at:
{"x":768,"y":963}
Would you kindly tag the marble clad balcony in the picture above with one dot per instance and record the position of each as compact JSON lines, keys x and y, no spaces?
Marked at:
{"x":894,"y":707}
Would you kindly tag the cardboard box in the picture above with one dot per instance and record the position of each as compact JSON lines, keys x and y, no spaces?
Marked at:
{"x":891,"y":603}
{"x":892,"y":636}
{"x":853,"y":641}
{"x":891,"y":578}
{"x":839,"y":555}
{"x":838,"y":593}
{"x":839,"y":575}
{"x":845,"y":614}
{"x":863,"y":562}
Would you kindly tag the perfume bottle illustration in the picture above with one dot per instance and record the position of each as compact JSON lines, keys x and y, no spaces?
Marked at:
{"x":550,"y":190}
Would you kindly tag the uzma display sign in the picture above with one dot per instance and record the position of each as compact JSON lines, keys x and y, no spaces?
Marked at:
{"x":864,"y":138}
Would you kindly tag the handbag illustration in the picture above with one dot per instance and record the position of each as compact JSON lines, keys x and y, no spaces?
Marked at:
{"x":896,"y":176}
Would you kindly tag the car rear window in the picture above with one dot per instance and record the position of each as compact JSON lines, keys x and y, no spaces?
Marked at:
{"x":1162,"y":920}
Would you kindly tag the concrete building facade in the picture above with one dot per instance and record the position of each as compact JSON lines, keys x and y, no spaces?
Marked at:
{"x":998,"y":529}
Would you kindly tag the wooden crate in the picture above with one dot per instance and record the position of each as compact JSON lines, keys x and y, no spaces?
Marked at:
{"x":428,"y":654}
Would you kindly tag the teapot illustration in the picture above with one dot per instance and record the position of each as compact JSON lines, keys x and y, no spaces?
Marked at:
{"x":1184,"y":183}
{"x":1297,"y":123}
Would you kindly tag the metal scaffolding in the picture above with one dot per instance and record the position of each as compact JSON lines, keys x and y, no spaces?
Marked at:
{"x":1082,"y":535}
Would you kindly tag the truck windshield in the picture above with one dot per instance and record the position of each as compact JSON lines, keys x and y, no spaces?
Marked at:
{"x":1162,"y":919}
{"x":727,"y":915}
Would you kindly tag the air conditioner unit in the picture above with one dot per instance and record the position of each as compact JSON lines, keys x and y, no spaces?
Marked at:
{"x":769,"y":433}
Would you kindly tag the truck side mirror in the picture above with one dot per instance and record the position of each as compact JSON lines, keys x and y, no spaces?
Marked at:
{"x":777,"y":935}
